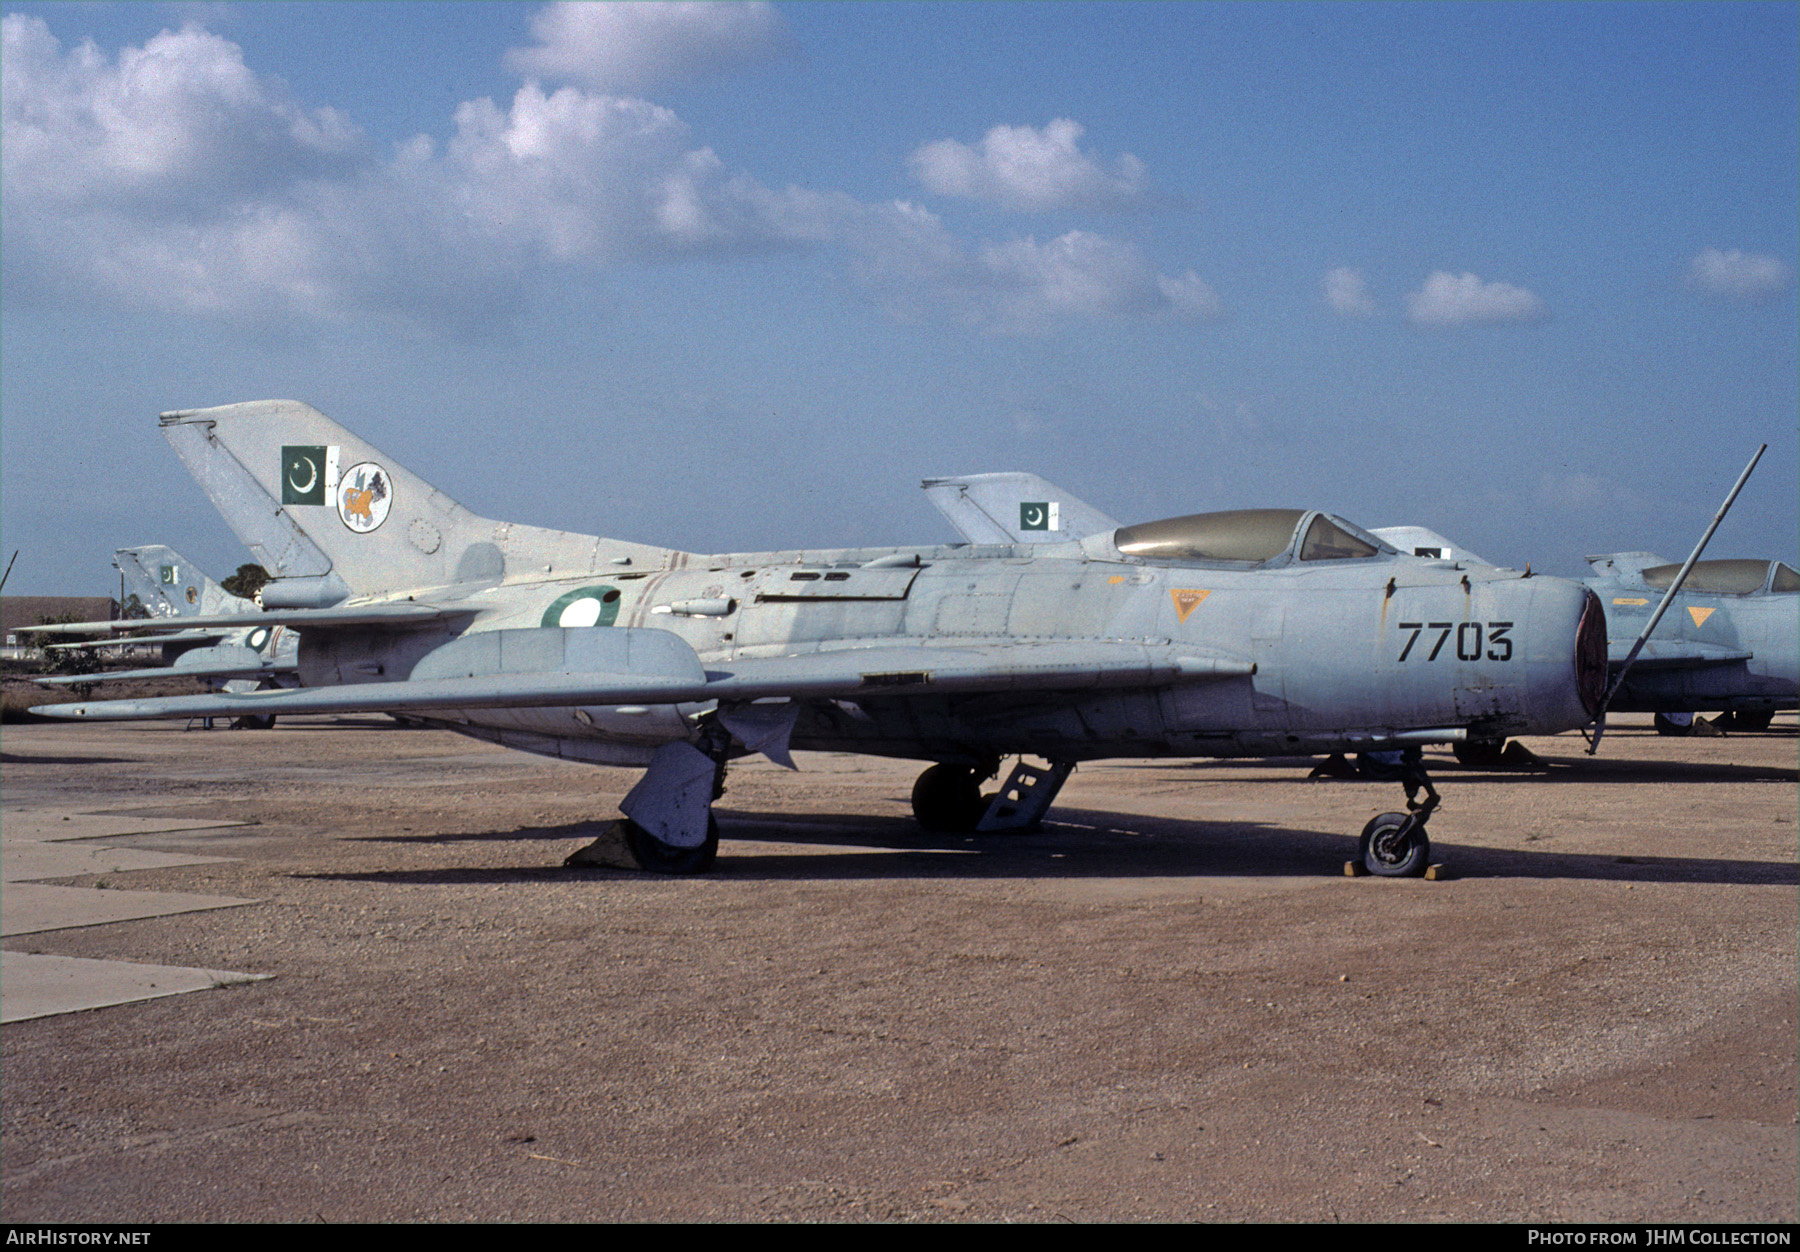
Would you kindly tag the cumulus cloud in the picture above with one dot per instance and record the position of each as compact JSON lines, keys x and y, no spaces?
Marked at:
{"x":1021,"y":167}
{"x":1451,"y":300}
{"x":1086,"y":274}
{"x":1739,"y":275}
{"x":1347,"y":294}
{"x":174,"y":178}
{"x":179,"y":119}
{"x":905,"y":256}
{"x":633,"y":47}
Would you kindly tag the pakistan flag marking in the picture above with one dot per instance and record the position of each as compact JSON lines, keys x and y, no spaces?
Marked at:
{"x":303,"y":474}
{"x":1038,"y":515}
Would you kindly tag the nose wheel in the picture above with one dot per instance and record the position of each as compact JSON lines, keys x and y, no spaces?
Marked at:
{"x":1394,"y":845}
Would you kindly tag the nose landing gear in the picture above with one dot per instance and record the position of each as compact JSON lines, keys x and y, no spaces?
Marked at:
{"x":1394,"y":845}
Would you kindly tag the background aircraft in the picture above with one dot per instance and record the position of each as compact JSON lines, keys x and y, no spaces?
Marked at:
{"x":232,"y":657}
{"x":1730,"y":642}
{"x":1253,"y":632}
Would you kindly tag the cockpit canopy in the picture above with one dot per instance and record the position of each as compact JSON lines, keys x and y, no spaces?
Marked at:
{"x":1249,"y":537}
{"x":1727,"y":578}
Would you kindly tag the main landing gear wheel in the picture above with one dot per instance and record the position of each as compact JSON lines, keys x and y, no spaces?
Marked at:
{"x":1669,"y":726}
{"x":1479,"y":751}
{"x":658,"y":857}
{"x":947,"y":798}
{"x":254,"y":721}
{"x":1394,"y":845}
{"x":1760,"y":720}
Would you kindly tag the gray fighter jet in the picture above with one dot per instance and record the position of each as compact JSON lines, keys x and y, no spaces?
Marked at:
{"x":1248,"y":633}
{"x":1730,"y":642}
{"x":250,"y":656}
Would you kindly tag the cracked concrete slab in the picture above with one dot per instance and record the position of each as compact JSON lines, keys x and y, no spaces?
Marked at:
{"x":30,"y":908}
{"x":38,"y":984}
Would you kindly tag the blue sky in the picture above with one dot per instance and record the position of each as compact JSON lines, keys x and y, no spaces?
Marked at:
{"x":729,"y":277}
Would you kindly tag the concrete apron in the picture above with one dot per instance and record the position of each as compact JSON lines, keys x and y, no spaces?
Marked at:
{"x":38,"y":844}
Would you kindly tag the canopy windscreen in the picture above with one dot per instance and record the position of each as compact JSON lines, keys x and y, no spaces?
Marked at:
{"x":1238,"y":535}
{"x":1328,"y":541}
{"x":1725,"y":578}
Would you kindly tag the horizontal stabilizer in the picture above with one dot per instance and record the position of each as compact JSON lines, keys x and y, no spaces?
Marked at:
{"x":595,"y":666}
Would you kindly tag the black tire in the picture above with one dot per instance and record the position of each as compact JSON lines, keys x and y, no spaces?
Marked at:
{"x":1385,"y":857}
{"x":658,"y":857}
{"x":1666,"y":727}
{"x":1760,"y":720}
{"x":947,"y":799}
{"x":1479,"y":751}
{"x":255,"y":721}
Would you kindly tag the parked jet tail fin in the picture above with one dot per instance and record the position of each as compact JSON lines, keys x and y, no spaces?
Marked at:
{"x":167,"y":584}
{"x":1425,"y":542}
{"x":331,"y":517}
{"x":1625,"y":565}
{"x":1014,"y":507}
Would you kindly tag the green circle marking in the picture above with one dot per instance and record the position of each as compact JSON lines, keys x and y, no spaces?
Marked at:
{"x":585,"y":606}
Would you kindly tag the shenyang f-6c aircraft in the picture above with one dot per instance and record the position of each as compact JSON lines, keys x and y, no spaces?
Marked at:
{"x":1730,"y":641}
{"x":172,"y":589}
{"x":1732,"y":644}
{"x":1249,"y":633}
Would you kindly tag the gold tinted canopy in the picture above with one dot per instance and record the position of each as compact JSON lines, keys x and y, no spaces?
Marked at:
{"x":1735,"y":577}
{"x":1251,"y":536}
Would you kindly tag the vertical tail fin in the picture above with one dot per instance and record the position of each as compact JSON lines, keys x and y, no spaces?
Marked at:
{"x":167,"y":584}
{"x":1014,"y":507}
{"x":331,"y":517}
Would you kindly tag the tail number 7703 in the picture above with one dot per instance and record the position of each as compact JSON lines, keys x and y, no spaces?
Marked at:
{"x":1471,"y":639}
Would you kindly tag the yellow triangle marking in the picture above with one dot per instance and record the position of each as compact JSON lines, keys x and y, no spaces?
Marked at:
{"x":1116,"y":579}
{"x":1186,"y":601}
{"x":1699,"y":615}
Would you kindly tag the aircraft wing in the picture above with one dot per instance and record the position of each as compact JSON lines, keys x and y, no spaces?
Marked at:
{"x":180,"y":636}
{"x":1674,"y":654}
{"x":1014,"y":508}
{"x":163,"y":671}
{"x":383,"y":613}
{"x":222,"y":661}
{"x":557,"y":668}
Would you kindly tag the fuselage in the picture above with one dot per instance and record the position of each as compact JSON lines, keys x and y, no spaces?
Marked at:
{"x":1734,"y":632}
{"x":1313,"y":655}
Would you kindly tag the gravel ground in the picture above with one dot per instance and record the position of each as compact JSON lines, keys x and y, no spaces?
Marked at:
{"x":1169,"y":1004}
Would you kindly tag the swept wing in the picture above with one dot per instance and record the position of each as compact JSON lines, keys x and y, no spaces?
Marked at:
{"x":507,"y":668}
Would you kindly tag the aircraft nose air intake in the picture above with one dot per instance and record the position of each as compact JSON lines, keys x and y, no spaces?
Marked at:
{"x":1590,"y":655}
